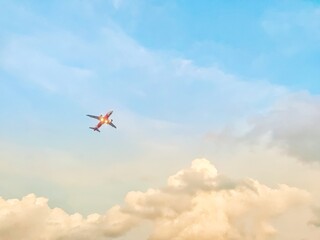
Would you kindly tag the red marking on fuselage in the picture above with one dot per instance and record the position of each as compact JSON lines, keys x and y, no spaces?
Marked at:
{"x":103,"y":120}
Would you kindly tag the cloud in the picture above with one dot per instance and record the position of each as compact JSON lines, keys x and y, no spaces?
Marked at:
{"x":316,"y":220}
{"x":284,"y":23}
{"x":23,"y":58}
{"x":296,"y":29}
{"x":292,"y":124}
{"x":32,"y":218}
{"x":117,"y":3}
{"x":112,"y":66}
{"x":196,"y":203}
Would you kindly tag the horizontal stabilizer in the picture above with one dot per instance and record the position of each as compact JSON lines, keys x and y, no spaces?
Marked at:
{"x":95,"y":129}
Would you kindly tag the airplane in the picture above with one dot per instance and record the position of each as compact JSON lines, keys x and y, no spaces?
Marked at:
{"x":102,"y":120}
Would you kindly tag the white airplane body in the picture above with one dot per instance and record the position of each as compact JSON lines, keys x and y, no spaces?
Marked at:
{"x":102,"y":120}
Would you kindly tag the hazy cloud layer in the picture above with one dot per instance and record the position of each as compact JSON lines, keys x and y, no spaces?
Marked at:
{"x":316,"y":220}
{"x":284,"y":25}
{"x":197,"y":203}
{"x":293,"y":125}
{"x":115,"y":68}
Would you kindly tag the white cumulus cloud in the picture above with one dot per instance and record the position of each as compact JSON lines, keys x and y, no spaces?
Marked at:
{"x":196,"y":203}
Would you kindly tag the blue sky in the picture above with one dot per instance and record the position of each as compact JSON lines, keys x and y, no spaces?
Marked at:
{"x":213,"y":79}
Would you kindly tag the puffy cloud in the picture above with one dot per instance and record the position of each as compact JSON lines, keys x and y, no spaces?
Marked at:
{"x":32,"y":218}
{"x":196,"y":203}
{"x":293,"y":125}
{"x":191,"y":206}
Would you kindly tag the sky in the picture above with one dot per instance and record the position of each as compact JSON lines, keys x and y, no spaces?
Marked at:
{"x":216,"y":103}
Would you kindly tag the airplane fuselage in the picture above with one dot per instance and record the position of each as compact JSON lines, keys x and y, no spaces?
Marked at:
{"x":104,"y":119}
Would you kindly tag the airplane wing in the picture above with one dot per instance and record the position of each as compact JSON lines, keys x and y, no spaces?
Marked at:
{"x":108,"y":114}
{"x":92,"y":116}
{"x":111,"y":124}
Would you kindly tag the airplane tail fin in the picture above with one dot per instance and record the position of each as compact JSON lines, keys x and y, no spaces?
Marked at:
{"x":95,"y":129}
